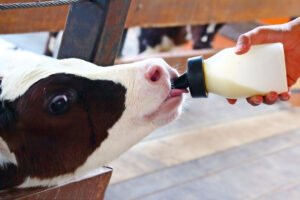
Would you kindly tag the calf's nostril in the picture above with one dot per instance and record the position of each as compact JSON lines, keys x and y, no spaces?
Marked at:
{"x":155,"y":76}
{"x":155,"y":73}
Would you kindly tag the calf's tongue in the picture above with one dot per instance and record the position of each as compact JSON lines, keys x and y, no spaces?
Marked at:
{"x":177,"y":92}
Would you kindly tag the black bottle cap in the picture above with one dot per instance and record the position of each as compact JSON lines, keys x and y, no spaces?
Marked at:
{"x":194,"y":78}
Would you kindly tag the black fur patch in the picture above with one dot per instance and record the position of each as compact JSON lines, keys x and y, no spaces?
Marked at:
{"x":47,"y":145}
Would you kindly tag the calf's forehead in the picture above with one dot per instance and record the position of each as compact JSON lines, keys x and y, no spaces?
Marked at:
{"x":18,"y":80}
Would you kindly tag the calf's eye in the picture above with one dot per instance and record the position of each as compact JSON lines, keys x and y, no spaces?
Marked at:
{"x":58,"y":104}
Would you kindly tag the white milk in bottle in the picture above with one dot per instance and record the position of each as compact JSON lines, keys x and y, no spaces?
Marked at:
{"x":257,"y":72}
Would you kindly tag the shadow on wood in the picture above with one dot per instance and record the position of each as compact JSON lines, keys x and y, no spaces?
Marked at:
{"x":90,"y":187}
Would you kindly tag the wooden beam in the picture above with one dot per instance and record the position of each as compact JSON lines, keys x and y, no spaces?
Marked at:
{"x":32,"y":19}
{"x":175,"y":59}
{"x":92,"y":187}
{"x":153,"y":13}
{"x":178,"y":12}
{"x":94,"y":31}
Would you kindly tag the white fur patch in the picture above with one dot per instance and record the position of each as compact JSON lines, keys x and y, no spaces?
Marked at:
{"x":6,"y":156}
{"x":21,"y":73}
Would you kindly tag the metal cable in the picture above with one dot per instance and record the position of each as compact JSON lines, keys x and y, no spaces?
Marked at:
{"x":10,"y":6}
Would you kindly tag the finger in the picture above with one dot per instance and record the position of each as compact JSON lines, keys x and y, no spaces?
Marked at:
{"x":232,"y":101}
{"x":271,"y":98}
{"x":265,"y":34}
{"x":255,"y":100}
{"x":285,"y":96}
{"x":243,"y":44}
{"x":256,"y":36}
{"x":259,"y":35}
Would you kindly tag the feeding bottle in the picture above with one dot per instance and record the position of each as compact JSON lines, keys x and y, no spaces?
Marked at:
{"x":257,"y":72}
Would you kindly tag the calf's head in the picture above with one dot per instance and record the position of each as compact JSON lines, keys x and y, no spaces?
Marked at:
{"x":61,"y":119}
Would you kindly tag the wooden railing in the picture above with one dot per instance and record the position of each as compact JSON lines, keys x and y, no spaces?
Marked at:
{"x":146,"y":13}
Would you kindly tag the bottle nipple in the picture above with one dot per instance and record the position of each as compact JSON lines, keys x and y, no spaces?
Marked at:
{"x":193,"y":79}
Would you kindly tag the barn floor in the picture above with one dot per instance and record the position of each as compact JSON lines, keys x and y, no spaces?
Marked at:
{"x":213,"y":151}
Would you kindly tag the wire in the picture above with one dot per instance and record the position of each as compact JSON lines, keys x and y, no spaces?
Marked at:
{"x":37,"y":4}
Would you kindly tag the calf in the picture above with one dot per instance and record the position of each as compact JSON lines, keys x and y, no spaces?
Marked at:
{"x":164,"y":39}
{"x":61,"y":119}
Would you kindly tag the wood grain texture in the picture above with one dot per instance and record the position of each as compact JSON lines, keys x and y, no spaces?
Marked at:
{"x":32,"y":19}
{"x":94,"y":31}
{"x":201,"y":168}
{"x":154,"y":155}
{"x":247,"y":181}
{"x":91,"y":188}
{"x":155,"y":13}
{"x":112,"y":32}
{"x":177,"y":12}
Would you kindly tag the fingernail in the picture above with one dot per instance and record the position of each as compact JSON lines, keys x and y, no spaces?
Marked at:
{"x":285,"y":97}
{"x":257,"y":100}
{"x":273,"y":96}
{"x":240,"y":47}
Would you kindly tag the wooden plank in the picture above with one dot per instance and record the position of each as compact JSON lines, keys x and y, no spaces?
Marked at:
{"x":290,"y":192}
{"x":32,"y":20}
{"x":177,"y":59}
{"x":177,"y":12}
{"x":94,"y":31}
{"x":155,"y":13}
{"x":201,"y":167}
{"x":247,"y":181}
{"x":200,"y":142}
{"x":92,"y":187}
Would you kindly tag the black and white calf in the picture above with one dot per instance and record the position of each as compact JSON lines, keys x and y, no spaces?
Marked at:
{"x":61,"y":119}
{"x":164,"y":39}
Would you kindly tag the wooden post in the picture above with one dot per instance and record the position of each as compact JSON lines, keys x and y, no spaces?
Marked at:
{"x":94,"y":30}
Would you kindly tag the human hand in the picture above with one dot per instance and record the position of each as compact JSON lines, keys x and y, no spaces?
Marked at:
{"x":269,"y":99}
{"x":289,"y":35}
